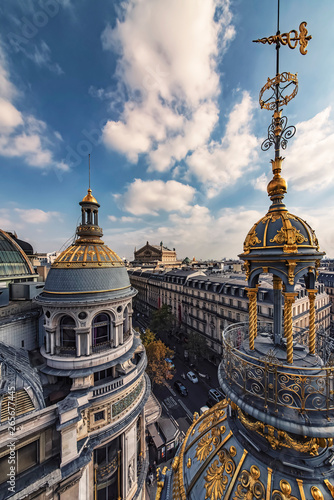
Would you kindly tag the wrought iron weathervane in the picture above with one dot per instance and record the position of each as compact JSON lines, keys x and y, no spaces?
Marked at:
{"x":275,"y":92}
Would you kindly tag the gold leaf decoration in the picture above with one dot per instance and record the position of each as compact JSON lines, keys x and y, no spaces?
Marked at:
{"x":290,"y":236}
{"x":204,"y":447}
{"x":251,"y":239}
{"x":316,"y":493}
{"x":285,"y":493}
{"x":216,"y":480}
{"x":250,"y":485}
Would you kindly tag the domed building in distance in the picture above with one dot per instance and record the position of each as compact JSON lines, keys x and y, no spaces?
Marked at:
{"x":82,"y":432}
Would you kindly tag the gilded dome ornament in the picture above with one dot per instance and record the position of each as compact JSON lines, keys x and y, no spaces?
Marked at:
{"x":216,"y":476}
{"x":250,"y":485}
{"x":284,"y":493}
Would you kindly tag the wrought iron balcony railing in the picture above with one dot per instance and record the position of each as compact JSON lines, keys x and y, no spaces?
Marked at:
{"x":270,"y":383}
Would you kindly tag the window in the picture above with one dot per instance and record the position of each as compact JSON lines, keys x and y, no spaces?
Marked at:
{"x":99,"y":415}
{"x":67,"y":332}
{"x":101,"y":329}
{"x":26,"y":457}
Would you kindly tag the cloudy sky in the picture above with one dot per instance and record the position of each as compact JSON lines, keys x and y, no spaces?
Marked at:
{"x":164,"y":96}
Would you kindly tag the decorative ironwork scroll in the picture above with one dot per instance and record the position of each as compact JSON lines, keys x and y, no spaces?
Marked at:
{"x":285,"y":134}
{"x":290,"y":39}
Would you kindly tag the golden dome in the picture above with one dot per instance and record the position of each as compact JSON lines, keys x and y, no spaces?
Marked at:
{"x":89,"y":198}
{"x":88,"y":255}
{"x":280,"y":231}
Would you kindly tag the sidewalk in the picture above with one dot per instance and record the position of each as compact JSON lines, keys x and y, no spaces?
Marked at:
{"x":151,"y":490}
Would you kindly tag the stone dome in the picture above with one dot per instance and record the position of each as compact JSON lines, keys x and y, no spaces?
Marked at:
{"x":88,"y":267}
{"x":13,"y":260}
{"x":280,"y":232}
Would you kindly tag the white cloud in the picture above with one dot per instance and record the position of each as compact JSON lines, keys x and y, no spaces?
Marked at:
{"x":168,"y":52}
{"x":220,"y":164}
{"x":35,"y":215}
{"x":41,"y":55}
{"x":190,"y":233}
{"x":309,"y":159}
{"x":10,"y":117}
{"x":124,"y":219}
{"x":261,"y":182}
{"x":150,"y":197}
{"x":23,"y":135}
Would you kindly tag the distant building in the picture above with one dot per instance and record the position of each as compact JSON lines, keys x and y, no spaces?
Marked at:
{"x":327,"y":278}
{"x":155,"y":255}
{"x":19,"y":314}
{"x":206,"y":302}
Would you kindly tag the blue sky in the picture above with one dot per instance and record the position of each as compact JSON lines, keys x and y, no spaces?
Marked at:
{"x":164,"y":96}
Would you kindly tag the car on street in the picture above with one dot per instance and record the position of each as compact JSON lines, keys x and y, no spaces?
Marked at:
{"x":179,"y":387}
{"x":215,"y":396}
{"x":192,"y":377}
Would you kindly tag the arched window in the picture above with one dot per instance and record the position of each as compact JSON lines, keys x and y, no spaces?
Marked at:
{"x":101,"y":329}
{"x":67,"y":332}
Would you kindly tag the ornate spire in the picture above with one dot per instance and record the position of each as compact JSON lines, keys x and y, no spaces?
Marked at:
{"x":277,"y":92}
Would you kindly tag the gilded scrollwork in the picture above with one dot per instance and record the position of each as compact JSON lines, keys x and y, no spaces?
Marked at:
{"x":278,"y":439}
{"x":211,"y":419}
{"x":210,"y":440}
{"x":284,"y":493}
{"x":250,"y":485}
{"x":290,"y":39}
{"x":216,"y":478}
{"x":291,"y":236}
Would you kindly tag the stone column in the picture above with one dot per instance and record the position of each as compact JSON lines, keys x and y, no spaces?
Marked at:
{"x":289,"y":298}
{"x":252,"y":294}
{"x":78,"y":344}
{"x":48,"y":334}
{"x":88,"y":343}
{"x":130,"y":321}
{"x":277,"y":284}
{"x":52,"y":342}
{"x":119,"y":329}
{"x":311,"y":339}
{"x":142,"y":434}
{"x":115,"y":335}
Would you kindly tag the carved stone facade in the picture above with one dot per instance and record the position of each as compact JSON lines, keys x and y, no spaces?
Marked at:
{"x":155,"y":254}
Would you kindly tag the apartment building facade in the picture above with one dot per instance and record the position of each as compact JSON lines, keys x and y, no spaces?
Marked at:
{"x":207,"y":303}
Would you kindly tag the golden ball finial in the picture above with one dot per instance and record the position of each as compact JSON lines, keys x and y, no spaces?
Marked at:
{"x":89,"y":198}
{"x":277,"y":187}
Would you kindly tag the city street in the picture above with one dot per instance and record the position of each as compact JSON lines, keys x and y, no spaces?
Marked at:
{"x":182,"y":408}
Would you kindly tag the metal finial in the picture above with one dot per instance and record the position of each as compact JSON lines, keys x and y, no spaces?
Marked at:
{"x":89,"y":169}
{"x":274,"y":94}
